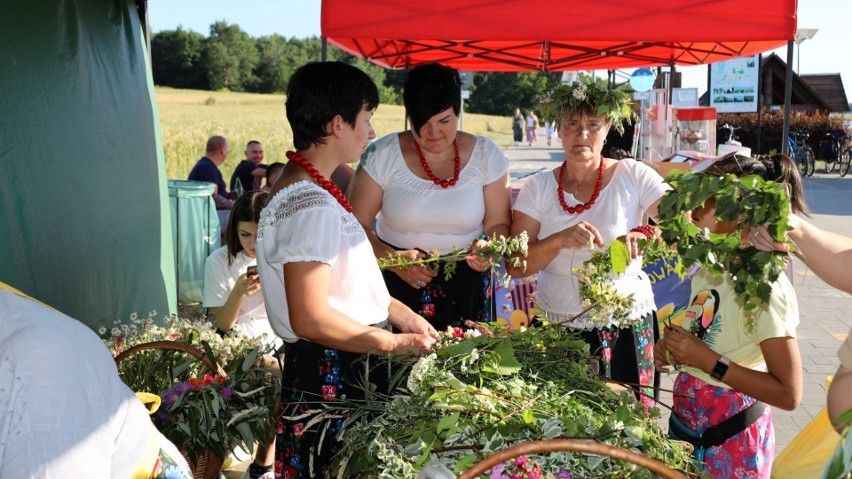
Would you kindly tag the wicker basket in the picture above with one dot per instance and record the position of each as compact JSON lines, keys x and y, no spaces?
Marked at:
{"x":208,"y":464}
{"x":587,"y":447}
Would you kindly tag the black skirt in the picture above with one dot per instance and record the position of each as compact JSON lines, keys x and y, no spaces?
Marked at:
{"x":465,"y":296}
{"x":313,"y":375}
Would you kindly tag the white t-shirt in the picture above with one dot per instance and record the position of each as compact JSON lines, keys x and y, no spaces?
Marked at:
{"x":303,"y":223}
{"x":64,"y":411}
{"x":220,"y":279}
{"x":620,"y":206}
{"x":716,"y":315}
{"x":417,"y":213}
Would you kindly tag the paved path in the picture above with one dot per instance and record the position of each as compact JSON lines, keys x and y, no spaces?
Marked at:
{"x":826,"y":313}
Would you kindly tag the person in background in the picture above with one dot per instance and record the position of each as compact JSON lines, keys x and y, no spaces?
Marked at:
{"x":250,"y":170}
{"x":828,"y":255}
{"x":590,"y":199}
{"x":207,"y":170}
{"x":231,"y":284}
{"x":732,"y":372}
{"x":532,"y":127}
{"x":550,"y":131}
{"x":434,"y":188}
{"x":232,"y":295}
{"x":64,"y":410}
{"x":271,"y":174}
{"x":322,"y":286}
{"x":518,"y":127}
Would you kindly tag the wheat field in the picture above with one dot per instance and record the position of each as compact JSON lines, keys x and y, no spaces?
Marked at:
{"x":189,"y":117}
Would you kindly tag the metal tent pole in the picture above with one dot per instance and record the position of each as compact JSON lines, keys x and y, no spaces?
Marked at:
{"x":788,"y":99}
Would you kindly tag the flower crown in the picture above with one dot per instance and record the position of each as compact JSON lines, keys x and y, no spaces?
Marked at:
{"x":613,"y":104}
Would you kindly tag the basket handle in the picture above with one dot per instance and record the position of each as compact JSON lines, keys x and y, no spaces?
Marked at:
{"x":172,"y":345}
{"x":588,"y":447}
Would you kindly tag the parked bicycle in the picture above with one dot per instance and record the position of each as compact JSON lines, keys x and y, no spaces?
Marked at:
{"x":845,"y":159}
{"x":833,"y":149}
{"x":801,"y":153}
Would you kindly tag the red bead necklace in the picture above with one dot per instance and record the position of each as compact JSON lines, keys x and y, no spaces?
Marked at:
{"x":327,"y":185}
{"x":435,"y":179}
{"x":587,"y":205}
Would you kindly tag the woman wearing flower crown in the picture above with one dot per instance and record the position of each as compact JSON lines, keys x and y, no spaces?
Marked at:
{"x":591,"y":200}
{"x":435,"y":188}
{"x":322,"y":287}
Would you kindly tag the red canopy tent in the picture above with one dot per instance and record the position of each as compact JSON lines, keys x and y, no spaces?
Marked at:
{"x":556,"y":35}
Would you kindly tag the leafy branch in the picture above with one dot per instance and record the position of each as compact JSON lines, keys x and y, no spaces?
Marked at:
{"x":603,"y":303}
{"x":513,"y":248}
{"x":748,"y":201}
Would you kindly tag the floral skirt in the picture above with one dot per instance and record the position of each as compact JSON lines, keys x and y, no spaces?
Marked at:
{"x":627,"y":356}
{"x":467,"y":295}
{"x":313,"y":375}
{"x":700,"y":405}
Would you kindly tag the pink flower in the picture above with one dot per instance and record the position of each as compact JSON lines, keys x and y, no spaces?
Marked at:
{"x":428,"y":310}
{"x":299,"y":430}
{"x":522,"y":462}
{"x":329,"y":393}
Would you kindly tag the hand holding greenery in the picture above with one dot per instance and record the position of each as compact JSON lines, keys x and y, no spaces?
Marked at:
{"x":839,"y":465}
{"x":497,"y":248}
{"x":602,"y":304}
{"x":747,"y":201}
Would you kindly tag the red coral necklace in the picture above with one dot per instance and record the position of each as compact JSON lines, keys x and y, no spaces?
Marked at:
{"x":435,"y":179}
{"x":327,"y":185}
{"x":587,"y":205}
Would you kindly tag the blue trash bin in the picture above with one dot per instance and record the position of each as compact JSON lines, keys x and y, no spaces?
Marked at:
{"x":195,"y":234}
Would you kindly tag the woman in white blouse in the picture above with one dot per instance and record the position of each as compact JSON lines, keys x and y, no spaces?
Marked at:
{"x":587,"y":200}
{"x":323,"y":290}
{"x":434,"y":188}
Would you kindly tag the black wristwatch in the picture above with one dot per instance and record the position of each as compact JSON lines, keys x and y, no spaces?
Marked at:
{"x":721,"y":368}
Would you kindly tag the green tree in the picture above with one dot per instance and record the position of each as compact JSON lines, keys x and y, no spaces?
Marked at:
{"x":387,"y":94}
{"x":271,"y":70}
{"x":500,"y":93}
{"x":231,"y":56}
{"x":176,"y":57}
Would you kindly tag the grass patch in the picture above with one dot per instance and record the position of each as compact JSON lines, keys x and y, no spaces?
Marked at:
{"x":189,"y":117}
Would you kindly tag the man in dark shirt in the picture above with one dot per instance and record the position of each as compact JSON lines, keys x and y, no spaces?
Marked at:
{"x":251,"y":170}
{"x":207,"y":169}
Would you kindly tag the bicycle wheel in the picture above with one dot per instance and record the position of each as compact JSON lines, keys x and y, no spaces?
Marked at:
{"x":845,"y":159}
{"x":806,"y":155}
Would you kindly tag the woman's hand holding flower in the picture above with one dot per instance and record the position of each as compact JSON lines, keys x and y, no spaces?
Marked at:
{"x":416,"y":276}
{"x":632,"y":241}
{"x":579,"y":236}
{"x":474,"y":260}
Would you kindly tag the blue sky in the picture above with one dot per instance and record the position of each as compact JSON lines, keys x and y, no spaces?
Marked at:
{"x":827,"y":52}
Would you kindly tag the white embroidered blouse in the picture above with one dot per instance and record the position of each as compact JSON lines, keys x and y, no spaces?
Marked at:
{"x":303,"y":222}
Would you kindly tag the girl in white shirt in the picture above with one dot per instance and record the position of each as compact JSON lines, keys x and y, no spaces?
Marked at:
{"x":232,"y":293}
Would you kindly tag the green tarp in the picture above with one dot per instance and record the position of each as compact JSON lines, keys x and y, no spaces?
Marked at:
{"x":84,"y":212}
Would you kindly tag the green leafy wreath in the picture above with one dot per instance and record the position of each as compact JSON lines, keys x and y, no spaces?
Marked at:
{"x":613,"y":104}
{"x":747,"y":201}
